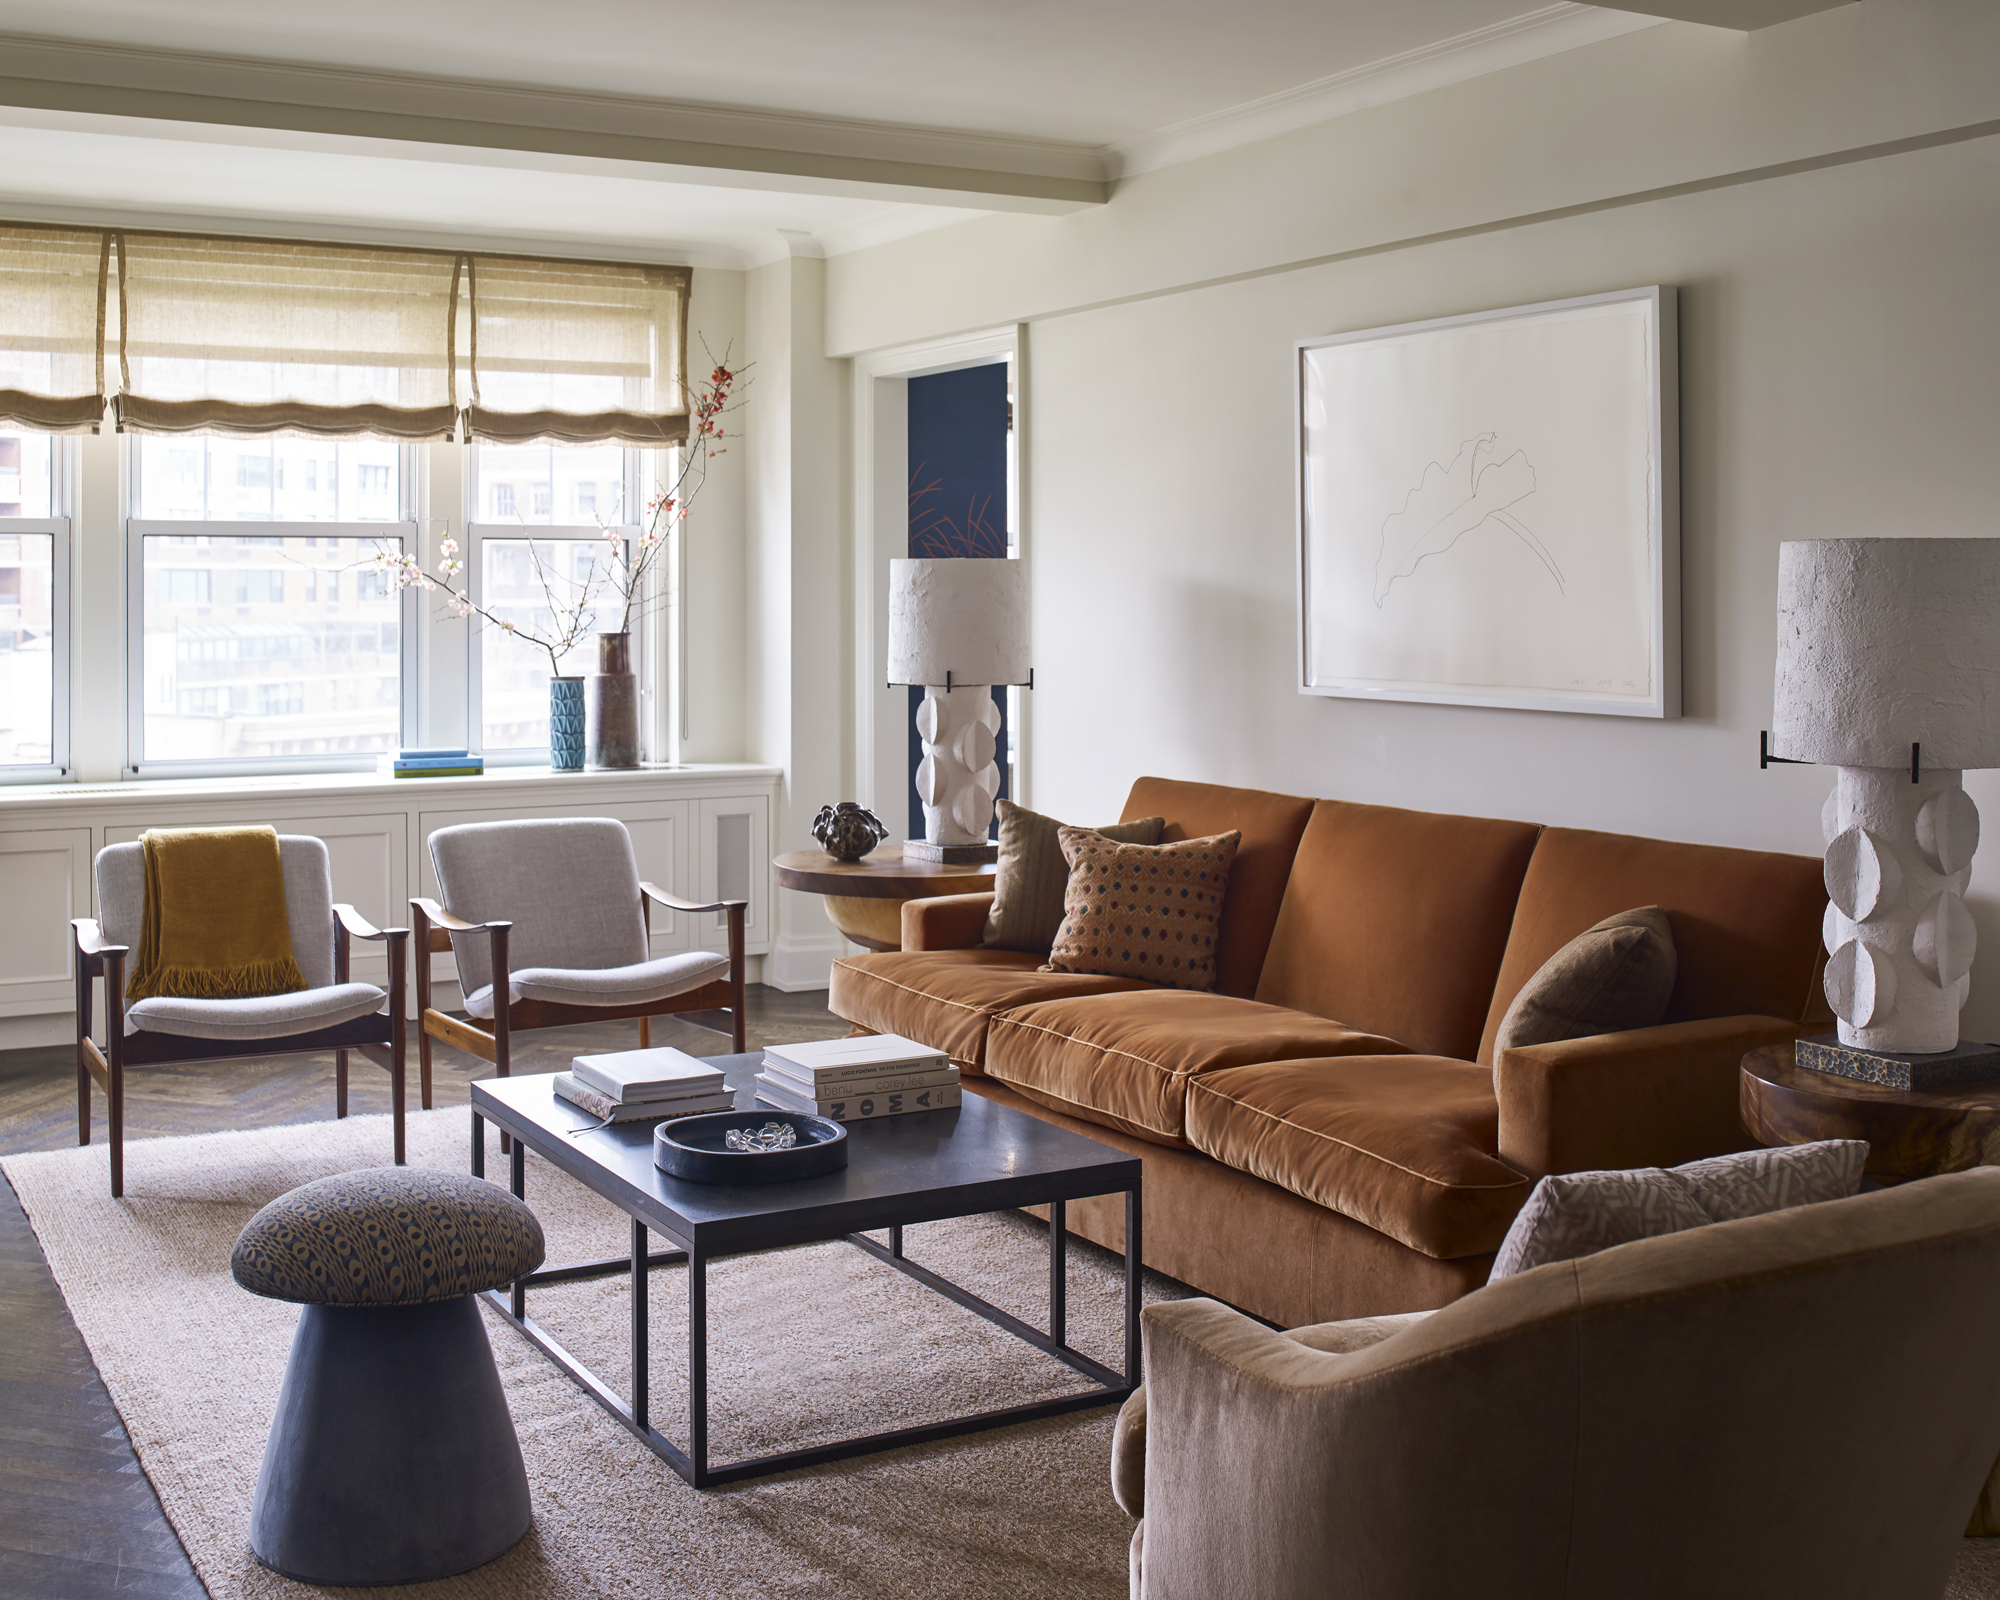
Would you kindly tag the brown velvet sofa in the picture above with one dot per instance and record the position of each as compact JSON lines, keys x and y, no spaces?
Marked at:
{"x":1327,"y":1134}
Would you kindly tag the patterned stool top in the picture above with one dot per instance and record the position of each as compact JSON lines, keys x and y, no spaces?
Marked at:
{"x":387,"y":1236}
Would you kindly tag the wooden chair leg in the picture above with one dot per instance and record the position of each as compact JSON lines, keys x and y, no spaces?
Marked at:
{"x":424,"y":1061}
{"x":115,"y":1123}
{"x":396,"y":1104}
{"x":82,"y":1096}
{"x":645,"y":1033}
{"x":340,"y":1083}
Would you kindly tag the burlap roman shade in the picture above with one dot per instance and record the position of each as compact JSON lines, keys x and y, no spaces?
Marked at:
{"x":577,"y":351}
{"x":52,"y":284}
{"x":259,"y":336}
{"x":263,"y":336}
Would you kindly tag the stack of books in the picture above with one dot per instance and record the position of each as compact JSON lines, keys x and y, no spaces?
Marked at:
{"x":432,"y":764}
{"x":635,"y":1085}
{"x":853,"y":1080}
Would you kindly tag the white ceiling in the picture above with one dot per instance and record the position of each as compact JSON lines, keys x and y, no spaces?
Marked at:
{"x":706,"y":134}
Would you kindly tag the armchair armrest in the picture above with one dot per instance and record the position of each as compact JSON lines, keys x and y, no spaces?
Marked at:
{"x":1650,"y":1097}
{"x":90,"y":940}
{"x":439,"y":917}
{"x":946,"y":921}
{"x":674,"y":902}
{"x":359,"y":927}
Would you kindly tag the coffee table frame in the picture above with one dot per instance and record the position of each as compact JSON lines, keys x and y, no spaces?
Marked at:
{"x":655,"y":1213}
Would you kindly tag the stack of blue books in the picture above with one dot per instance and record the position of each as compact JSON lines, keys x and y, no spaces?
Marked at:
{"x":433,"y":764}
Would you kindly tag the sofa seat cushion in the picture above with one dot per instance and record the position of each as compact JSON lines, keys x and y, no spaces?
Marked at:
{"x":1406,"y":1144}
{"x":945,"y":998}
{"x":1125,"y":1060}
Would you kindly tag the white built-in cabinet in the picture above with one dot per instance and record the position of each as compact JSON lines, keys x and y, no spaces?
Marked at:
{"x":699,"y":831}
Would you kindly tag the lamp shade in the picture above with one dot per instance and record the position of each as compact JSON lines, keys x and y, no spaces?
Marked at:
{"x":1886,"y":643}
{"x":966,"y":616}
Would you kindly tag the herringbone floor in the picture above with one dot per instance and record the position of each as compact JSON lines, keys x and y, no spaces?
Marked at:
{"x":78,"y":1519}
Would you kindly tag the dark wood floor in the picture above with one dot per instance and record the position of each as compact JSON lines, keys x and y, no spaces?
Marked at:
{"x":78,"y":1518}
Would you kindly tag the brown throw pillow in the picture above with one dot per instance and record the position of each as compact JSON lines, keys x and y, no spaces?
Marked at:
{"x":1028,"y":886}
{"x":1616,"y":975}
{"x":1574,"y":1214}
{"x":1133,"y":911}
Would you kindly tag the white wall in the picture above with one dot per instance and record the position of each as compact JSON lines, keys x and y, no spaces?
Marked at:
{"x":1840,"y":369}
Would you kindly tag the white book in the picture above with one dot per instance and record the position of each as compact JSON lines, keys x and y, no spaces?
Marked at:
{"x":634,"y":1075}
{"x":842,"y":1107}
{"x":872,"y":1055}
{"x":604,"y":1108}
{"x":776,"y":1071}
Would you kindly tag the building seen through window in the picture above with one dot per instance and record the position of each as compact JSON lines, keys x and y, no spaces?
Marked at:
{"x":27,"y":601}
{"x":264,"y":646}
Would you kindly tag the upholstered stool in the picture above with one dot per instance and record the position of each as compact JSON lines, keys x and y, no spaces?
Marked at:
{"x":392,"y":1458}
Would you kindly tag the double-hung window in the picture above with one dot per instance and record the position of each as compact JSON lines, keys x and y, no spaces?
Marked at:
{"x":526,"y":561}
{"x":266,"y":637}
{"x":34,"y":606}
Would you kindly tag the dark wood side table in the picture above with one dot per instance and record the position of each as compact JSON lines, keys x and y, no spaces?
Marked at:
{"x":1911,"y":1133}
{"x":864,"y":899}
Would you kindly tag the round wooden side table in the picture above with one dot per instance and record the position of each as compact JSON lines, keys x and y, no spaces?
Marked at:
{"x":1911,"y":1133}
{"x":864,"y":899}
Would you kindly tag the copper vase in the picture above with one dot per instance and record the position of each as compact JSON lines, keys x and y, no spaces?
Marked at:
{"x":611,"y":707}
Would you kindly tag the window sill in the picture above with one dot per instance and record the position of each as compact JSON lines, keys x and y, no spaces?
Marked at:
{"x":515,"y":782}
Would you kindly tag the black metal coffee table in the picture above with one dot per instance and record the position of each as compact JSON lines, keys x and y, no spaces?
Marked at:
{"x":922,"y":1167}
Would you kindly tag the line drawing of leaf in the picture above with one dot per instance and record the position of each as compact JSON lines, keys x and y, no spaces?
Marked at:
{"x":1449,"y":502}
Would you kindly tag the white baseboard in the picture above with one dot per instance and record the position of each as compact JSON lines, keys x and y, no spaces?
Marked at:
{"x":797,"y":964}
{"x":28,"y":1033}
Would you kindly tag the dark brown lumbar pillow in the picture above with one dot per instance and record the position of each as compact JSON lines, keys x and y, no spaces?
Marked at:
{"x":1032,"y":875}
{"x":1616,"y":975}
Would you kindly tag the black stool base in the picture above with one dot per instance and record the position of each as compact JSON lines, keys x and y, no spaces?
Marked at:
{"x":392,"y":1458}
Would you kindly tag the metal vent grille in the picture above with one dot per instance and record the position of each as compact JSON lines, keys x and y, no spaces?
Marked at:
{"x":732,"y":858}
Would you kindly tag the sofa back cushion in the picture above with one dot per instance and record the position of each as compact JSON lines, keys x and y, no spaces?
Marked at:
{"x":1270,"y":825}
{"x":1746,"y":922}
{"x":1395,"y":921}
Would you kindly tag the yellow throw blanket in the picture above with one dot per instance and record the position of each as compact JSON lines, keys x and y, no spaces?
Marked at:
{"x":215,"y":926}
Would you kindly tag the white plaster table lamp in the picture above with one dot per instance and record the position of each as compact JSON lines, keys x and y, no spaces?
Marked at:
{"x":1889,"y":669}
{"x":957,"y":627}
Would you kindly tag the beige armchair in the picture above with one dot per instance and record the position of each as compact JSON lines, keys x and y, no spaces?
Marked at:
{"x":1800,"y":1404}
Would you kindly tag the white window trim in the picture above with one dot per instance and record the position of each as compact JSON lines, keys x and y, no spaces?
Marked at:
{"x":137,"y":530}
{"x":61,"y":633}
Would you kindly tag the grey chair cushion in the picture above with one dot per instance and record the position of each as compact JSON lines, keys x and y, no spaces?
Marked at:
{"x":121,"y":902}
{"x":271,"y":1016}
{"x":569,"y":885}
{"x":606,"y":986}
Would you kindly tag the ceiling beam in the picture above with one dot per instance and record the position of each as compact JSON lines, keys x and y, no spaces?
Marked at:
{"x":715,"y":145}
{"x":1744,"y":16}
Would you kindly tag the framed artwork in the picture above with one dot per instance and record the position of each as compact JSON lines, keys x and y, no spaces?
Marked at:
{"x":1489,"y":509}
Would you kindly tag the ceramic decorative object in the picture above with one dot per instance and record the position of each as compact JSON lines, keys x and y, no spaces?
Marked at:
{"x":566,"y":724}
{"x":611,"y":706}
{"x":846,"y":832}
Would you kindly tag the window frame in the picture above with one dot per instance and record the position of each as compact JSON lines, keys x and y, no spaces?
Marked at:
{"x":478,"y":532}
{"x":408,"y":528}
{"x":62,"y":485}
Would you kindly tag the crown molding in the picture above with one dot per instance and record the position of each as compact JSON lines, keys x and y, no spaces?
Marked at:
{"x":1515,"y":42}
{"x":1741,"y":16}
{"x":698,"y":143}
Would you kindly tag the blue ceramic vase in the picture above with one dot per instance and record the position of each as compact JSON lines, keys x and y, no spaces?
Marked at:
{"x":566,"y":724}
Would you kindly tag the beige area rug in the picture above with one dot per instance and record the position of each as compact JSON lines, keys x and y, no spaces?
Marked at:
{"x":805,"y":1345}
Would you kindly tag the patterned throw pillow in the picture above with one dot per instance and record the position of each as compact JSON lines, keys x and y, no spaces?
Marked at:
{"x":1616,"y":975}
{"x":1574,"y":1214}
{"x":1028,"y":885}
{"x":1139,"y":911}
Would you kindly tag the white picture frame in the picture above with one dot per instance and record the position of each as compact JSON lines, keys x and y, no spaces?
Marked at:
{"x":1489,"y":508}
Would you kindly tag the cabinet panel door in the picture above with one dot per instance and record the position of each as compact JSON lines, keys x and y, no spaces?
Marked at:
{"x":735,"y":846}
{"x":44,"y":881}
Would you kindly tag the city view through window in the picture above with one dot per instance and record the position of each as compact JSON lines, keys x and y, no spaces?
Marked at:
{"x":261,"y":646}
{"x":27,"y":602}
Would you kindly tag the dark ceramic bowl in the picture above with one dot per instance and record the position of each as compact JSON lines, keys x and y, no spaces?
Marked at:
{"x":693,"y":1148}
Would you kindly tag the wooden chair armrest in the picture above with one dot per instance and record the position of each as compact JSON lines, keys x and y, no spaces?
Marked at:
{"x":674,"y":902}
{"x":444,"y":919}
{"x":90,"y":939}
{"x":360,"y":927}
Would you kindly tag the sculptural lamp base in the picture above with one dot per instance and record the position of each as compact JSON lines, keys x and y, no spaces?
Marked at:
{"x":566,"y":724}
{"x":1898,"y":936}
{"x":957,"y":779}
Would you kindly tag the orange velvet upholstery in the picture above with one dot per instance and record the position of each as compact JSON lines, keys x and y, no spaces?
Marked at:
{"x":946,"y":998}
{"x":1746,"y":922}
{"x":1395,"y":922}
{"x":1126,"y":1059}
{"x":1270,"y":825}
{"x":1408,"y":1145}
